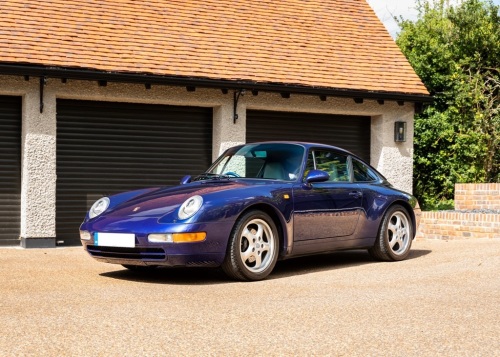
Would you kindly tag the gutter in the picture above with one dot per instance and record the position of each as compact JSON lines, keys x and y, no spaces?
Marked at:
{"x":149,"y":79}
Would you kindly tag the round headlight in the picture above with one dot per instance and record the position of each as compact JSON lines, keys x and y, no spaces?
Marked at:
{"x":190,"y":207}
{"x":99,"y":207}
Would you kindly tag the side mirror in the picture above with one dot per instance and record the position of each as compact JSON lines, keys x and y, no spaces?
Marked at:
{"x":317,"y":176}
{"x":186,"y":179}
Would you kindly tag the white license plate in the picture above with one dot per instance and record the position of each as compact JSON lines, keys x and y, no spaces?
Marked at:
{"x":124,"y":240}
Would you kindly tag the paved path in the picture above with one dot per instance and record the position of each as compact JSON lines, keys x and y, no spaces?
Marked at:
{"x":443,"y":301}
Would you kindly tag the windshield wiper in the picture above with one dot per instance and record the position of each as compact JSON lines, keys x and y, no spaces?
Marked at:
{"x":210,"y":176}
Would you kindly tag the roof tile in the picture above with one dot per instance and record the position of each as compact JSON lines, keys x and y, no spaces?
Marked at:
{"x":337,"y":44}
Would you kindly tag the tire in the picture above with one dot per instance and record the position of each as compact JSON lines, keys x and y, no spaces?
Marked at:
{"x":395,"y":236}
{"x":253,"y":247}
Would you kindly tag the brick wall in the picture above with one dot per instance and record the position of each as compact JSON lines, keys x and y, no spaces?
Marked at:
{"x":458,"y":225}
{"x":465,"y":225}
{"x":477,"y":196}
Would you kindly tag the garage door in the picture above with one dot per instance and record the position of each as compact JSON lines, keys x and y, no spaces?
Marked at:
{"x":10,"y":170}
{"x":348,"y":132}
{"x":105,"y":148}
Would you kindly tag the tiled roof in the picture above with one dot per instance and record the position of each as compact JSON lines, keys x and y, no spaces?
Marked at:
{"x":337,"y":44}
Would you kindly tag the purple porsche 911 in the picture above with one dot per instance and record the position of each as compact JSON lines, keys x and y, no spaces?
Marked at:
{"x":257,"y":203}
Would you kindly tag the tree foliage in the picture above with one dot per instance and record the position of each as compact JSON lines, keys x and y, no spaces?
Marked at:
{"x":456,"y":52}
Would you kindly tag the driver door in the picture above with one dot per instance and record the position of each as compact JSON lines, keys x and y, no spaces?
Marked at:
{"x":328,"y":209}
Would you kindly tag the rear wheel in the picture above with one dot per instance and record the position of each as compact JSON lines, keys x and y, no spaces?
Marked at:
{"x":253,"y":247}
{"x":394,"y":237}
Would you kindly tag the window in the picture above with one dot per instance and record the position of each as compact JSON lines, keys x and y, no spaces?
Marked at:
{"x":362,"y":173}
{"x":271,"y":161}
{"x":333,"y":163}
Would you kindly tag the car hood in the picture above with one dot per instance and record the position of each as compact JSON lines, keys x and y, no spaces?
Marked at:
{"x":165,"y":201}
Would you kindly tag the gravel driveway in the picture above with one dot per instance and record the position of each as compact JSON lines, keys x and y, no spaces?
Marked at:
{"x":444,"y":300}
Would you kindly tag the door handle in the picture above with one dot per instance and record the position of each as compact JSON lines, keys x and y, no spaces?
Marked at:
{"x":356,"y":194}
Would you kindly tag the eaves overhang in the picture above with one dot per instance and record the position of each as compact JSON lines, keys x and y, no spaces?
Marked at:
{"x":224,"y":84}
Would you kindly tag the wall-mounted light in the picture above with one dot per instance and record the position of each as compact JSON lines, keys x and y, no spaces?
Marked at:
{"x":400,"y":131}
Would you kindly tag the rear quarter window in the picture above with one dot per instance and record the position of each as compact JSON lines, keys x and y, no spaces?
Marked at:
{"x":362,"y":172}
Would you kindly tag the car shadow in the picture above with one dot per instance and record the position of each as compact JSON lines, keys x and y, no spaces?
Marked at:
{"x":330,"y":261}
{"x":172,"y":276}
{"x":283,"y":269}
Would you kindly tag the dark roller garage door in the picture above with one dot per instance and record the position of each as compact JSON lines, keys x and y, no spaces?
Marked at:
{"x":10,"y":169}
{"x":348,"y":132}
{"x":106,"y":148}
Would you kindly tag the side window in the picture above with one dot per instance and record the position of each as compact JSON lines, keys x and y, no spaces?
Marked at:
{"x":310,"y":162}
{"x":362,"y":173}
{"x":329,"y":161}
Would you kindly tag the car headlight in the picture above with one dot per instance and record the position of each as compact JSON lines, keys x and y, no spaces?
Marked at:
{"x":190,"y":207}
{"x":99,"y":207}
{"x":85,"y":235}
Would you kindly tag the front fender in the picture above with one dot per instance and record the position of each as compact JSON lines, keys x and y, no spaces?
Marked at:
{"x":228,"y":205}
{"x":115,"y":200}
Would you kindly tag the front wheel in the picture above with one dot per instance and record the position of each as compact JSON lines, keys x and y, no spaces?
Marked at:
{"x":253,"y":247}
{"x":394,"y":237}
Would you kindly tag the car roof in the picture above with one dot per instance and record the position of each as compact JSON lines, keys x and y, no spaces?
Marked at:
{"x":306,"y":144}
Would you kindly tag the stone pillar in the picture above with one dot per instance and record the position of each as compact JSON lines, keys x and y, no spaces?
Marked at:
{"x":226,"y":133}
{"x":38,"y":197}
{"x":393,"y":159}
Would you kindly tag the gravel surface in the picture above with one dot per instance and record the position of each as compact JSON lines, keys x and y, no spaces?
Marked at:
{"x":443,"y":301}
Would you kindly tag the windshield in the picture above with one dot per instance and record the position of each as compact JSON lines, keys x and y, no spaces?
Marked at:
{"x":276,"y":161}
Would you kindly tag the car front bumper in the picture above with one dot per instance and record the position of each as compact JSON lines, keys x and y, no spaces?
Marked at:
{"x":210,"y":252}
{"x":152,"y":256}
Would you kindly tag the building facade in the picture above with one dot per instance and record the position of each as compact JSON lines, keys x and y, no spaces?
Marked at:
{"x":71,"y":134}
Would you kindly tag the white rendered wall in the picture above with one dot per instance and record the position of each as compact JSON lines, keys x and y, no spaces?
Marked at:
{"x":38,"y":198}
{"x":38,"y":169}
